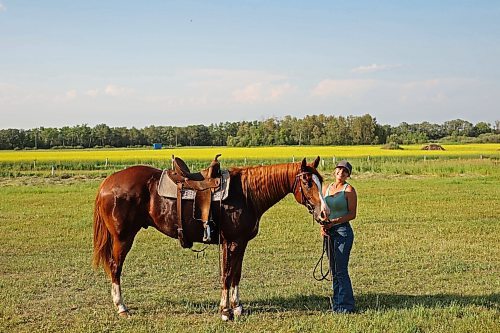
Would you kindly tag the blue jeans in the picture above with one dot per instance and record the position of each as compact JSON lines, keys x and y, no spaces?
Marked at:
{"x":340,"y":244}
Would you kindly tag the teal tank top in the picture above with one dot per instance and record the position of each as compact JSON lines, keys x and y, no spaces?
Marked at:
{"x":337,"y":203}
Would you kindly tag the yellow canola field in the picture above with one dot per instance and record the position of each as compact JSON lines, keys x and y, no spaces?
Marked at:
{"x":233,"y":153}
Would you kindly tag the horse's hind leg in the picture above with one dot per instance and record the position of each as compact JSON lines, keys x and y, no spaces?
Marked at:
{"x":120,"y":250}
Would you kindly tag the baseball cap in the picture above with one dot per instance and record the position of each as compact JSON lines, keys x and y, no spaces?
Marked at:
{"x":346,"y":165}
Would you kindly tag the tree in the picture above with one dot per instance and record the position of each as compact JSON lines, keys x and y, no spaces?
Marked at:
{"x":458,"y":127}
{"x":363,"y":130}
{"x":136,"y":138}
{"x":152,"y":134}
{"x":48,"y":136}
{"x":102,"y":132}
{"x":481,"y":128}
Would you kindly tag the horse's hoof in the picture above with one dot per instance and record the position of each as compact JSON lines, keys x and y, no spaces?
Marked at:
{"x":124,"y":314}
{"x":123,"y":311}
{"x":238,"y":311}
{"x":227,"y":314}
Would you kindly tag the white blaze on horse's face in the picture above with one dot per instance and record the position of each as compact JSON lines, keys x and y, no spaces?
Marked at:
{"x":325,"y":211}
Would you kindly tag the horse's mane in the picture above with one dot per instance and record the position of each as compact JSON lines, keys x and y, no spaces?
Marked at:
{"x":264,"y":186}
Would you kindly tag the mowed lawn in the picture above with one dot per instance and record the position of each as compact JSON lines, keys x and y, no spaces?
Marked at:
{"x":426,"y":259}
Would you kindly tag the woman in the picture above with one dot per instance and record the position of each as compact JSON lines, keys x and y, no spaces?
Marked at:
{"x":342,"y":200}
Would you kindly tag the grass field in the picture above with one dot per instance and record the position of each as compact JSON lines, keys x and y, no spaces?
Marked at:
{"x":426,"y":259}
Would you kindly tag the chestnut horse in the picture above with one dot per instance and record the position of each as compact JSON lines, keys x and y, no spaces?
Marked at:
{"x":128,"y":201}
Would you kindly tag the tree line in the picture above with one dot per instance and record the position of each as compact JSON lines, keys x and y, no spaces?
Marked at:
{"x":310,"y":130}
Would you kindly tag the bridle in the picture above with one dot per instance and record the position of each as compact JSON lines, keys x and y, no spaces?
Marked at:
{"x":304,"y":200}
{"x":326,"y":244}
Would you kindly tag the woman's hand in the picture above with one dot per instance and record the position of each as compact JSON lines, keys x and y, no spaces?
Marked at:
{"x":325,"y":227}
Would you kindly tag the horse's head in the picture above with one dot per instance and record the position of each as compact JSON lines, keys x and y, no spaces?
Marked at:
{"x":307,"y":190}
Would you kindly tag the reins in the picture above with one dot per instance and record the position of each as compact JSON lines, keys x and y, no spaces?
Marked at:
{"x":219,"y":244}
{"x":200,"y":250}
{"x":326,"y":242}
{"x":324,"y":276}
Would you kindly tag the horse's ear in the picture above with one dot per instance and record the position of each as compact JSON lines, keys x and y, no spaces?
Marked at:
{"x":303,"y":165}
{"x":316,"y":162}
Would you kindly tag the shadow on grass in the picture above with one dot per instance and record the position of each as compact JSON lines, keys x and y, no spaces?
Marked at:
{"x":396,"y":301}
{"x":364,"y":302}
{"x":377,"y":302}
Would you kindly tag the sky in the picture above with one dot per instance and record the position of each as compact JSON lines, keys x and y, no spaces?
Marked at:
{"x":179,"y":63}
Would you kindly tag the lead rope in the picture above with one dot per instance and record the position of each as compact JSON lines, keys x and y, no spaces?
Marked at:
{"x":219,"y":244}
{"x":220,"y":227}
{"x":323,"y":276}
{"x":331,"y":270}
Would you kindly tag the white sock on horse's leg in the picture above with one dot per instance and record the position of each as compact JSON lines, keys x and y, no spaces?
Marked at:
{"x":235,"y":300}
{"x":225,"y":305}
{"x":206,"y":231}
{"x":116,"y":294}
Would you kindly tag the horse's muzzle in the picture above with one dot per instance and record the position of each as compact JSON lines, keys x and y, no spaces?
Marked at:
{"x":322,"y":218}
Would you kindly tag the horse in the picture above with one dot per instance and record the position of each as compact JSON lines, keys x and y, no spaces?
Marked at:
{"x":127,"y":201}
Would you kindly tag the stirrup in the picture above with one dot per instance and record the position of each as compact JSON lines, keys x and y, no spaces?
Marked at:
{"x":206,"y":232}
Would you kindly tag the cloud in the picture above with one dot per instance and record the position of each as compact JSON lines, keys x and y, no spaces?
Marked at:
{"x":342,"y":88}
{"x":63,"y":97}
{"x":280,"y":90}
{"x":114,"y":90}
{"x":92,"y":92}
{"x":228,"y":75}
{"x":249,"y":94}
{"x":218,"y":87}
{"x":261,"y":92}
{"x":72,"y":94}
{"x":373,"y":68}
{"x":436,"y":91}
{"x":393,"y":100}
{"x":110,"y":90}
{"x":2,"y":7}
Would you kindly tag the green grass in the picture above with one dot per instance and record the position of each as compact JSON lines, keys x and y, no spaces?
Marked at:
{"x":425,"y":259}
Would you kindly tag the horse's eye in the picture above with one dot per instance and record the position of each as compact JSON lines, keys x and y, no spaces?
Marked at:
{"x":307,"y":181}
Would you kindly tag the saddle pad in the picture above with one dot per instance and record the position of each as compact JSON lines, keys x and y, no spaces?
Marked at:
{"x":167,"y":188}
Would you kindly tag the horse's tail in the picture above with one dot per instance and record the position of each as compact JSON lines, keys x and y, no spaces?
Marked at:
{"x":103,"y":242}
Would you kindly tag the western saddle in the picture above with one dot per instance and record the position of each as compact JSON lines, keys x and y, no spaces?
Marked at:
{"x":204,"y":183}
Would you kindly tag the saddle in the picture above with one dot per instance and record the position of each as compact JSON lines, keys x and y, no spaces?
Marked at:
{"x":204,"y":183}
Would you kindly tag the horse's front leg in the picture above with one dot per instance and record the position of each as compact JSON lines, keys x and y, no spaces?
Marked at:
{"x":234,"y":296}
{"x":232,"y":259}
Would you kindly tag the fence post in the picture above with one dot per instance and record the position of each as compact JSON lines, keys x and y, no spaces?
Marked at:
{"x":52,"y":172}
{"x":293,"y":159}
{"x":106,"y":165}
